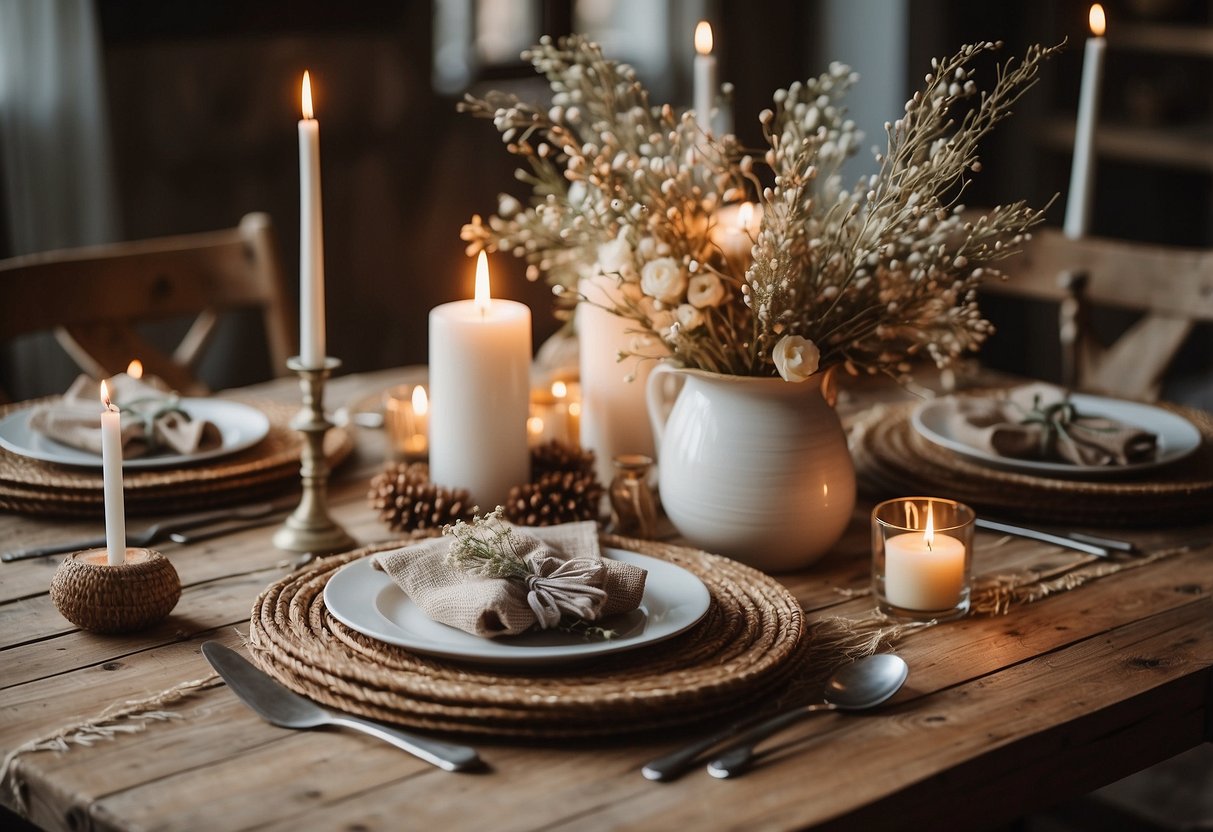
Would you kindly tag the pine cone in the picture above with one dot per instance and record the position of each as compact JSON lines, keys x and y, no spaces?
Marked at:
{"x":555,"y":497}
{"x":406,"y":499}
{"x":555,"y":455}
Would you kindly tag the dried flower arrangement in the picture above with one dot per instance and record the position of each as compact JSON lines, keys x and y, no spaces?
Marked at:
{"x":864,"y":277}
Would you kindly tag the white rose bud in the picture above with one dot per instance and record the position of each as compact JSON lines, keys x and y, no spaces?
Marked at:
{"x":705,"y":290}
{"x":663,"y":279}
{"x":614,"y":254}
{"x":690,"y":317}
{"x":796,"y":358}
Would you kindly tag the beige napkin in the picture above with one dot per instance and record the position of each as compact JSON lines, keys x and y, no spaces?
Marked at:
{"x":1031,"y":422}
{"x":75,"y":419}
{"x":572,"y":576}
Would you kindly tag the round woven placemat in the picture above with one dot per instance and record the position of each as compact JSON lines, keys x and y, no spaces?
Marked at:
{"x":746,"y":644}
{"x":894,"y":459}
{"x":35,"y":487}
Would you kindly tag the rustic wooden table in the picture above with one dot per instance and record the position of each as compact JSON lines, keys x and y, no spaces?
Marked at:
{"x":1000,"y":715}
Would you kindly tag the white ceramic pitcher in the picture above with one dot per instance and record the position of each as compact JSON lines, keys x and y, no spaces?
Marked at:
{"x":754,"y":468}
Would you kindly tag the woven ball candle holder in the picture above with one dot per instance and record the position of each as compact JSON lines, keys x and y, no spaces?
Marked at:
{"x":115,"y":599}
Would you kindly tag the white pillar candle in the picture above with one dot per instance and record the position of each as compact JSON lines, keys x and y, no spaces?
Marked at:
{"x":735,"y":231}
{"x":311,"y":238}
{"x":480,"y":359}
{"x":1082,"y":166}
{"x":705,"y":76}
{"x":614,"y":416}
{"x":111,"y":474}
{"x":924,"y":570}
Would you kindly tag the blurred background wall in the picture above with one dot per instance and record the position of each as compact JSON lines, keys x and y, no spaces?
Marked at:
{"x":142,"y":118}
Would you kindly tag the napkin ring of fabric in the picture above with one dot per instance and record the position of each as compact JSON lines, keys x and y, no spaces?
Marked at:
{"x":565,"y":586}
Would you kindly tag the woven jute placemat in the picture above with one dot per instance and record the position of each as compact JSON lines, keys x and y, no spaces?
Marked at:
{"x":36,"y":487}
{"x":745,"y":646}
{"x":894,"y":459}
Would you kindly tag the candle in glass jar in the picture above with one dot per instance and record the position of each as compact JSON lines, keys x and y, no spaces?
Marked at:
{"x":480,"y":359}
{"x":924,"y":570}
{"x":111,"y":477}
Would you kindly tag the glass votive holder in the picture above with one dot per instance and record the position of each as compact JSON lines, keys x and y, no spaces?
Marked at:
{"x":406,"y":418}
{"x":633,"y":503}
{"x":922,"y":557}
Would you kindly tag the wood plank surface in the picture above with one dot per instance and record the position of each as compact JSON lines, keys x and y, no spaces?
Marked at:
{"x":1005,"y":713}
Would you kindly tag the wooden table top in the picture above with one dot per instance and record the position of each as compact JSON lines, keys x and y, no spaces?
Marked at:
{"x":1000,"y":716}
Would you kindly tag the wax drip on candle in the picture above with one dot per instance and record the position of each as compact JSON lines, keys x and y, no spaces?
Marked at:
{"x":483,"y":299}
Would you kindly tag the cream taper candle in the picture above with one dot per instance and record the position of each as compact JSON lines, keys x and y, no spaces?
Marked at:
{"x":1082,"y":166}
{"x":480,"y":360}
{"x":111,"y":480}
{"x":705,"y":76}
{"x":311,"y":238}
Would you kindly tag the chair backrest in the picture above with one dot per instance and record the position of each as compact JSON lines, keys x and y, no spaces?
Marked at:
{"x":93,"y":297}
{"x":1172,"y":287}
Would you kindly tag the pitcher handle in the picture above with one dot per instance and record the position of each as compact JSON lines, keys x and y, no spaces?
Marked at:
{"x":656,"y":401}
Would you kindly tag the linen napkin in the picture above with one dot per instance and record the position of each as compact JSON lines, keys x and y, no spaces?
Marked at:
{"x":570,"y":576}
{"x":1037,"y":421}
{"x":150,"y":421}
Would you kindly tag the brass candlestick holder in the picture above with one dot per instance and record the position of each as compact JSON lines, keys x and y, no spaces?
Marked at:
{"x":310,"y":528}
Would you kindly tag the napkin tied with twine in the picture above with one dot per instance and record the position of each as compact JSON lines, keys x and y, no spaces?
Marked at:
{"x":565,"y":576}
{"x":1038,"y":421}
{"x":152,"y":420}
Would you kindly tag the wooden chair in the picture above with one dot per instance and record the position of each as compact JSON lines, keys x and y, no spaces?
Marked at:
{"x":1171,"y":287}
{"x":93,"y":298}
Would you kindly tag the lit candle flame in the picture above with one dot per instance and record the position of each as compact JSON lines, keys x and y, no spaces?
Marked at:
{"x":703,"y":38}
{"x":534,"y":426}
{"x":105,"y":397}
{"x":745,"y":215}
{"x":483,"y":299}
{"x":559,"y":389}
{"x":928,"y":534}
{"x":1097,"y":20}
{"x":135,"y":369}
{"x":421,"y":402}
{"x":308,"y":113}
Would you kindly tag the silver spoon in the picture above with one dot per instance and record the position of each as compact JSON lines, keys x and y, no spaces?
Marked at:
{"x":860,"y":685}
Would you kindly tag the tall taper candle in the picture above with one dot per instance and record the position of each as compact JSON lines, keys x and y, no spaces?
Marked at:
{"x":111,"y":480}
{"x":311,"y":238}
{"x":1082,"y":167}
{"x":705,"y":76}
{"x":480,"y":361}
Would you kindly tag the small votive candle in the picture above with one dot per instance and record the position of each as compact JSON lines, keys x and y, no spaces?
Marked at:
{"x":406,"y":417}
{"x":555,"y":413}
{"x":922,"y":557}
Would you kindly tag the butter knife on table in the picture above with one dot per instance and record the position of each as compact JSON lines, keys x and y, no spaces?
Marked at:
{"x":287,"y":709}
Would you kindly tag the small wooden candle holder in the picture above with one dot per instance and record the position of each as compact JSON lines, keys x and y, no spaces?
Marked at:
{"x":115,"y":599}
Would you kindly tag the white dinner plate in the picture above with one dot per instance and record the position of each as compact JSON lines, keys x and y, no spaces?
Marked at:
{"x":240,"y":425}
{"x":367,"y":600}
{"x":1177,"y":437}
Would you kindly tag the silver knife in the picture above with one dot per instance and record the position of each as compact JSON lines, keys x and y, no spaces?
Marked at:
{"x":1044,"y":537}
{"x":287,"y":709}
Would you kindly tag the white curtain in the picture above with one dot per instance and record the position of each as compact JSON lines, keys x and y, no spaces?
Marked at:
{"x":56,"y":174}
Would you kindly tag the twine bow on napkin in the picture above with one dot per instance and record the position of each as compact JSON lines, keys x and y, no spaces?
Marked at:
{"x":1038,"y":421}
{"x":491,"y":579}
{"x":152,"y":419}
